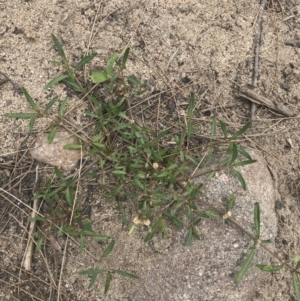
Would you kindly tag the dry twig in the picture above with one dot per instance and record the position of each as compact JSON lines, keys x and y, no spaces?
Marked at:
{"x":256,"y":57}
{"x":295,"y":43}
{"x":255,"y":98}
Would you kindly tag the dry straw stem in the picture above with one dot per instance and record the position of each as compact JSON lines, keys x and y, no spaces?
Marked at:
{"x":27,"y":259}
{"x":29,"y":248}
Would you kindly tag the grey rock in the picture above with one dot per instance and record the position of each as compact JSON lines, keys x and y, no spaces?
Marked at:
{"x":54,"y":153}
{"x":205,"y":270}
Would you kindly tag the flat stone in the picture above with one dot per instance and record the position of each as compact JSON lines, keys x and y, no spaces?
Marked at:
{"x":205,"y":271}
{"x":54,"y":154}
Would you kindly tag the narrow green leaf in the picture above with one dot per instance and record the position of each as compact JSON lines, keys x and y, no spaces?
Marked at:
{"x":20,"y":115}
{"x":85,"y":60}
{"x":174,"y":219}
{"x":172,"y":166}
{"x":257,"y":219}
{"x":101,"y":163}
{"x":229,"y":149}
{"x":39,"y":244}
{"x":70,"y":195}
{"x":60,"y":231}
{"x":58,"y":189}
{"x":110,"y":65}
{"x":231,"y":203}
{"x":100,"y":146}
{"x":107,"y":282}
{"x":179,"y":205}
{"x":296,"y":286}
{"x":296,"y":258}
{"x":189,"y":213}
{"x":72,"y":146}
{"x":239,"y":176}
{"x":131,"y":229}
{"x":152,"y":232}
{"x":182,"y":155}
{"x":266,"y":241}
{"x":123,"y":115}
{"x":109,"y":248}
{"x":72,"y":83}
{"x":100,"y":237}
{"x":234,"y":152}
{"x":119,"y":172}
{"x":138,"y":93}
{"x":138,"y":183}
{"x":141,"y":174}
{"x":209,"y":214}
{"x":225,"y":161}
{"x":213,"y":128}
{"x":195,"y":191}
{"x":162,"y":226}
{"x":124,"y":218}
{"x":195,"y":232}
{"x":93,"y":273}
{"x":192,"y":159}
{"x":241,"y":131}
{"x":124,"y":59}
{"x":93,"y":280}
{"x":81,"y":244}
{"x":48,"y":184}
{"x":162,"y":174}
{"x":126,"y":274}
{"x":54,"y":81}
{"x":51,"y":103}
{"x":51,"y":134}
{"x":60,"y":50}
{"x":113,"y":79}
{"x":38,"y":196}
{"x":243,"y":163}
{"x":59,"y":173}
{"x":30,"y":100}
{"x":36,"y":218}
{"x":269,"y":268}
{"x":63,"y":107}
{"x":96,"y":138}
{"x":244,"y":153}
{"x":134,"y":81}
{"x":159,"y":136}
{"x":209,"y":155}
{"x":197,"y":221}
{"x":99,"y":77}
{"x":31,"y":122}
{"x":188,"y":240}
{"x":224,"y":129}
{"x":245,"y":266}
{"x":211,"y":175}
{"x":177,"y":222}
{"x":88,"y":232}
{"x":191,"y":105}
{"x":189,"y":130}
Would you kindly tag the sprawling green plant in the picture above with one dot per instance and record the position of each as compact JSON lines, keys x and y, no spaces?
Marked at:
{"x":142,"y":168}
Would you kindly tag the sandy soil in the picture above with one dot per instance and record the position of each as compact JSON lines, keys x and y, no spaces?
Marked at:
{"x":177,"y":47}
